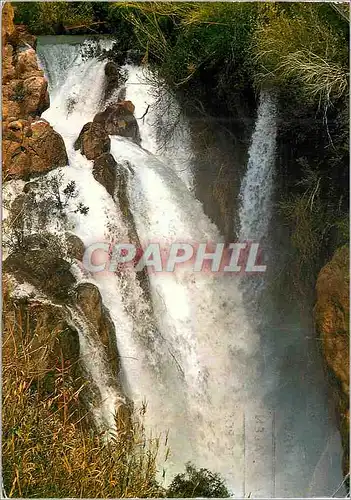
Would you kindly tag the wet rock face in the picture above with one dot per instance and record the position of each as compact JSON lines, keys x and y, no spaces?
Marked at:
{"x":94,"y":141}
{"x":119,"y":119}
{"x":332,"y":324}
{"x":43,"y":259}
{"x":29,"y":146}
{"x":88,"y":299}
{"x":75,"y":246}
{"x":105,"y":172}
{"x":44,"y":269}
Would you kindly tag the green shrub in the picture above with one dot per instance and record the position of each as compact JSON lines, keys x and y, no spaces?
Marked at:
{"x":197,"y":483}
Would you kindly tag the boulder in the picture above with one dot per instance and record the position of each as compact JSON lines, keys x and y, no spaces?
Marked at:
{"x":93,"y":140}
{"x":118,"y":119}
{"x":36,"y":96}
{"x":78,"y":142}
{"x":47,"y":144}
{"x":31,"y":148}
{"x":104,"y":171}
{"x":332,"y":325}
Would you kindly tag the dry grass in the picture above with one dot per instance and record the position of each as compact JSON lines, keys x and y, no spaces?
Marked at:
{"x":48,"y":446}
{"x":304,"y":47}
{"x":321,"y":78}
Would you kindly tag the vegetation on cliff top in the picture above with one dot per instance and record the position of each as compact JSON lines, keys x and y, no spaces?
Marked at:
{"x":235,"y":43}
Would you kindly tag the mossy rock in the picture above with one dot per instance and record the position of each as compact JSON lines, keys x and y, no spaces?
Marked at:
{"x":41,"y":261}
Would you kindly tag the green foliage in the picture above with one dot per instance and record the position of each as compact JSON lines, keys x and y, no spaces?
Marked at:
{"x":317,"y":225}
{"x":197,"y":483}
{"x":237,"y":43}
{"x":190,"y":39}
{"x":230,"y":45}
{"x":53,"y":17}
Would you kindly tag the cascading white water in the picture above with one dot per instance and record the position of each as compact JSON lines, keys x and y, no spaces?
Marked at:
{"x":197,"y":360}
{"x":257,"y":185}
{"x":164,"y":130}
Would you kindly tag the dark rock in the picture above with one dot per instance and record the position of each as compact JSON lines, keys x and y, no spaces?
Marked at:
{"x":122,"y":179}
{"x":41,"y":264}
{"x":31,"y":186}
{"x":75,"y":247}
{"x":78,"y":142}
{"x":118,"y":119}
{"x":93,"y":140}
{"x":89,"y":301}
{"x":104,"y":171}
{"x":112,"y":78}
{"x":122,"y":93}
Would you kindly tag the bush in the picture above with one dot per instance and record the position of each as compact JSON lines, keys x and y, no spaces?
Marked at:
{"x":197,"y":483}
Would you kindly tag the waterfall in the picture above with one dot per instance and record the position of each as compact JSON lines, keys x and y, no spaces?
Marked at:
{"x":164,"y":129}
{"x":195,"y":355}
{"x":257,"y":185}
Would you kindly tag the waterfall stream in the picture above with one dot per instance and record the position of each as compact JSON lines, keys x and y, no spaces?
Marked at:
{"x":196,"y":356}
{"x":257,"y":185}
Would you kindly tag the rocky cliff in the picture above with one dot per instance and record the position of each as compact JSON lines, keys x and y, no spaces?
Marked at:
{"x":332,"y":323}
{"x":30,"y":145}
